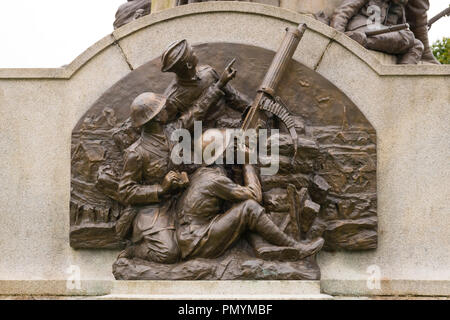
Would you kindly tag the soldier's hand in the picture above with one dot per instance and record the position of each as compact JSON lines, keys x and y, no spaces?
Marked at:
{"x":228,"y":74}
{"x":170,"y":179}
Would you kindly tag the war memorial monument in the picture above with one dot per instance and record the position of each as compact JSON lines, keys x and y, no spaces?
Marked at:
{"x":274,"y":149}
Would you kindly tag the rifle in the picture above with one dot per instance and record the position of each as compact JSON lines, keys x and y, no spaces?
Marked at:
{"x":266,"y":99}
{"x":444,"y":13}
{"x":397,"y":27}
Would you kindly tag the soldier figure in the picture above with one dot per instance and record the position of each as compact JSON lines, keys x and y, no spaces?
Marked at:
{"x":204,"y":230}
{"x":192,"y":80}
{"x":416,"y":15}
{"x":147,"y":163}
{"x":354,"y":18}
{"x":130,"y":11}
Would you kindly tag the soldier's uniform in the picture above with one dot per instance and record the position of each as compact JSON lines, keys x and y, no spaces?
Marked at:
{"x":183,"y":93}
{"x":147,"y":162}
{"x":355,"y":16}
{"x":204,"y":230}
{"x":417,"y":17}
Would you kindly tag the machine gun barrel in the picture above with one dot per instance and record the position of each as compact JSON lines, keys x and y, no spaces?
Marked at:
{"x":440,"y":15}
{"x":273,"y":76}
{"x":397,"y":27}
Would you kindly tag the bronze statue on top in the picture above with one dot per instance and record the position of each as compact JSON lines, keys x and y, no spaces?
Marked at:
{"x":130,"y":11}
{"x":354,"y":17}
{"x":402,"y":28}
{"x":400,"y":42}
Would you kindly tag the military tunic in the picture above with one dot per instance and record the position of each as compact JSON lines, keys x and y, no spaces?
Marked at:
{"x":182,"y":95}
{"x":147,"y":162}
{"x":202,"y":229}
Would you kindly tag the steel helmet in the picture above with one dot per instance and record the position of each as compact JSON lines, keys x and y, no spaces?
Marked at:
{"x":214,"y":142}
{"x":145,"y":107}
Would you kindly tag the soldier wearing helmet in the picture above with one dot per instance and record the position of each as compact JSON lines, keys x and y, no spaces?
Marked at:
{"x":192,"y":80}
{"x":205,"y":230}
{"x":149,"y":180}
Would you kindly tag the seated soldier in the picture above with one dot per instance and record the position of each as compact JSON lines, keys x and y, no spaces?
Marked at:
{"x":355,"y":17}
{"x":131,"y":10}
{"x":204,"y":230}
{"x":149,"y":183}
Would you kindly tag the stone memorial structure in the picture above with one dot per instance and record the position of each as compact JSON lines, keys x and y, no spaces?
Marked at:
{"x":92,"y":198}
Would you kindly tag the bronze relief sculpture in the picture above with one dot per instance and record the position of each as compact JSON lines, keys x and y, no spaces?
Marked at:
{"x":223,"y":221}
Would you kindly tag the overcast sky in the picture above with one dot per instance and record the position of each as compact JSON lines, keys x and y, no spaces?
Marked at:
{"x":51,"y":33}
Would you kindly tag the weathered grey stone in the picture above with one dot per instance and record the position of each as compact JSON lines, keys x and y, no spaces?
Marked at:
{"x":222,"y":290}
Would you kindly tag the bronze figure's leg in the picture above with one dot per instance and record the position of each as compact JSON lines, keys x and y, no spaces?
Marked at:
{"x":160,"y":247}
{"x":414,"y":54}
{"x":416,"y":14}
{"x":227,"y":229}
{"x":248,"y":215}
{"x":398,"y":43}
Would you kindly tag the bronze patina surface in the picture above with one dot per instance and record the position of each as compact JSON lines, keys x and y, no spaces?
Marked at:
{"x":327,"y":189}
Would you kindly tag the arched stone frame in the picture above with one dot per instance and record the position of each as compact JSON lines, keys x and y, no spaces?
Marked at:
{"x":337,"y":145}
{"x":404,"y":146}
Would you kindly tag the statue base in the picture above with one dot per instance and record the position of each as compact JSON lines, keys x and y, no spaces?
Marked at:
{"x":237,"y":264}
{"x":215,"y":290}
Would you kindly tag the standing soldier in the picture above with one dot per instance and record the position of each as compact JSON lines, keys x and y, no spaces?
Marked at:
{"x":355,"y":18}
{"x":192,"y":80}
{"x":416,"y":14}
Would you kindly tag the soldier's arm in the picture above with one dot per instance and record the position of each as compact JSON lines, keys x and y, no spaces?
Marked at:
{"x":130,"y":189}
{"x":233,"y":97}
{"x":224,"y":188}
{"x":251,"y":180}
{"x":345,"y":12}
{"x":198,"y":111}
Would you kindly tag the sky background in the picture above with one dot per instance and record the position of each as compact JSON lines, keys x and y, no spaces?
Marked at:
{"x":52,"y":33}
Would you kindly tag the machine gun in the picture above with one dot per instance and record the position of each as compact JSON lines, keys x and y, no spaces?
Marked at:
{"x":444,"y":13}
{"x":266,"y":99}
{"x":397,"y":27}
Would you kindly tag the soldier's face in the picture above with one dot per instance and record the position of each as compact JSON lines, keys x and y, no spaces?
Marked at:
{"x":193,"y":61}
{"x":162,"y":116}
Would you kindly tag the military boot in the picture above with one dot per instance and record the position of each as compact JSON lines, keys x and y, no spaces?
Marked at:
{"x":421,"y":33}
{"x":414,"y":54}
